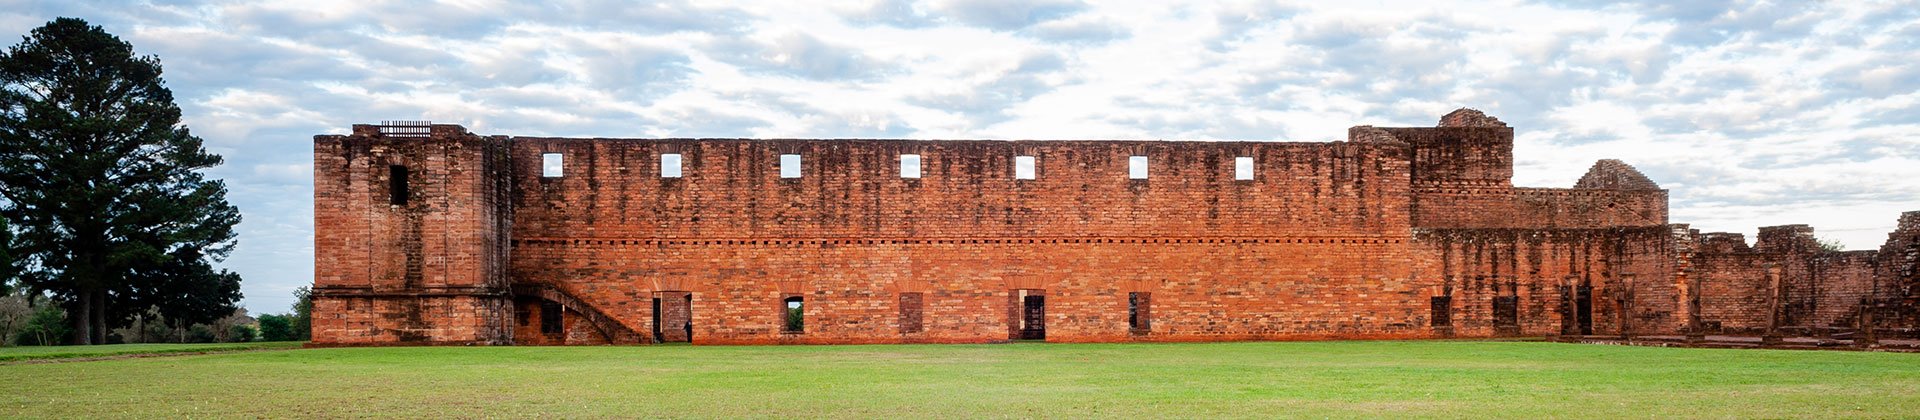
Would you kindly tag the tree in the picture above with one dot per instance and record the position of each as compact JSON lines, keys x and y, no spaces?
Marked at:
{"x":225,"y":326}
{"x":14,"y":312}
{"x":101,"y":182}
{"x":1831,"y":245}
{"x":302,"y":314}
{"x":7,"y":268}
{"x":45,"y":328}
{"x":185,"y":290}
{"x":275,"y":327}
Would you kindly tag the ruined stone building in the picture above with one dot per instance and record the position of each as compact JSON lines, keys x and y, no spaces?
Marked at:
{"x":429,"y":234}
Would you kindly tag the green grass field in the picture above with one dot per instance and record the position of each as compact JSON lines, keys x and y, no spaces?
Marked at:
{"x":15,"y":354}
{"x":1316,"y":379}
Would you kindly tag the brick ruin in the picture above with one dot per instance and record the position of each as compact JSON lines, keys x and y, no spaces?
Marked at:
{"x":429,"y":234}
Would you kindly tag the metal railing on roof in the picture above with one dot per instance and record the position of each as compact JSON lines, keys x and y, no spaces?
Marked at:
{"x":406,"y":128}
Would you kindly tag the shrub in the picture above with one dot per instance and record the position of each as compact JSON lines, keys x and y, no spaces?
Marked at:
{"x":47,"y":327}
{"x":239,"y":333}
{"x":201,"y":333}
{"x":274,"y":327}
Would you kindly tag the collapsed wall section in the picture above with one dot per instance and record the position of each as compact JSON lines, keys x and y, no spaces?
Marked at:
{"x":1788,"y":282}
{"x":1898,"y":271}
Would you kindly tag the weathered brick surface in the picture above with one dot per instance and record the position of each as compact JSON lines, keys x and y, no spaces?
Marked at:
{"x":428,"y":271}
{"x":1820,"y":291}
{"x":1352,"y":239}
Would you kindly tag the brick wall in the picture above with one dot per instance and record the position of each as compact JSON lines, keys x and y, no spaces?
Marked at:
{"x":1543,"y":268}
{"x":1225,"y":259}
{"x":1348,"y":239}
{"x":731,"y":189}
{"x":1820,"y":291}
{"x":429,"y":270}
{"x":1899,"y":273}
{"x":1223,"y":289}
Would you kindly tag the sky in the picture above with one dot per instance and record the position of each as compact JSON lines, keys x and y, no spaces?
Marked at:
{"x":1750,"y":113}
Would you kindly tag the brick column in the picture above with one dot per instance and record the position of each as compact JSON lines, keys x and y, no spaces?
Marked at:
{"x":1772,"y":335}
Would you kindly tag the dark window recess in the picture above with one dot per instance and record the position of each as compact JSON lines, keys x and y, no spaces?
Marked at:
{"x":550,"y":318}
{"x":795,"y":310}
{"x":522,"y":314}
{"x":1139,"y":312}
{"x":911,"y":308}
{"x":1442,"y":311}
{"x":397,"y":184}
{"x":1506,"y":311}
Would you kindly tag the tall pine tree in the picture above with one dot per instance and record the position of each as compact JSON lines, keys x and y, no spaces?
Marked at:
{"x":101,"y":183}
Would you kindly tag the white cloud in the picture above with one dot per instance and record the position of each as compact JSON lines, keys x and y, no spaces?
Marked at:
{"x":1752,"y":113}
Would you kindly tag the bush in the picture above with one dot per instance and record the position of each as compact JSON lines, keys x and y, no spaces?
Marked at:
{"x":47,"y":327}
{"x":201,"y":333}
{"x":275,"y":327}
{"x":239,"y":333}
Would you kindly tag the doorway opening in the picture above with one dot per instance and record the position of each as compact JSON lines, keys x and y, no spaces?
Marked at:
{"x":1576,"y":316}
{"x":1028,"y":313}
{"x":673,"y":317}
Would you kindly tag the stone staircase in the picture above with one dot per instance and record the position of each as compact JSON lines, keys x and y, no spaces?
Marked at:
{"x":614,"y":331}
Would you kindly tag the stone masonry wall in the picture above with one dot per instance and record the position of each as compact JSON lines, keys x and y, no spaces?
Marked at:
{"x":1819,"y":290}
{"x":1367,"y":238}
{"x":1285,"y":255}
{"x":430,"y":270}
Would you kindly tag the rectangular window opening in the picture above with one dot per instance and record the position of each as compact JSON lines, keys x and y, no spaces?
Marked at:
{"x":397,"y":185}
{"x":1441,"y":314}
{"x":789,"y":166}
{"x":911,"y":308}
{"x":1506,"y":311}
{"x":910,"y":166}
{"x":794,"y":314}
{"x":1023,"y":167}
{"x":550,"y":165}
{"x":550,"y":313}
{"x":670,"y":165}
{"x":1243,"y":168}
{"x":1137,"y":167}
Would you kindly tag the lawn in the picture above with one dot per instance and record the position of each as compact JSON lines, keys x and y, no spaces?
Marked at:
{"x":15,"y":354}
{"x":1289,"y":379}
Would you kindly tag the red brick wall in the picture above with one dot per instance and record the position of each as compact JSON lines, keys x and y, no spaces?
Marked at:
{"x":1239,"y":289}
{"x":852,"y":189}
{"x":431,"y":270}
{"x":1226,"y":259}
{"x":1840,"y":282}
{"x":1478,"y":265}
{"x":1899,"y":274}
{"x":1820,"y":290}
{"x":1330,"y":240}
